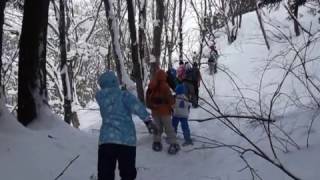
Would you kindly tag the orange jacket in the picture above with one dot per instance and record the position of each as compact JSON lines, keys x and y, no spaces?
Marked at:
{"x":160,"y":88}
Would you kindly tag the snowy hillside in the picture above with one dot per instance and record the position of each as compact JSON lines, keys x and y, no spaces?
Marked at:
{"x":44,"y":149}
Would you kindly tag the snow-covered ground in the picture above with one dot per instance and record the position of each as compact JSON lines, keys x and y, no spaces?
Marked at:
{"x":44,"y":149}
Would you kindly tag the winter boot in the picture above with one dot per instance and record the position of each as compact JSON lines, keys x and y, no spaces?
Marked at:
{"x":187,"y":142}
{"x":173,"y":149}
{"x":157,"y":146}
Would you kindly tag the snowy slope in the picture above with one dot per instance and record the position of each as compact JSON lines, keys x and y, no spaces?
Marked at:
{"x":41,"y":151}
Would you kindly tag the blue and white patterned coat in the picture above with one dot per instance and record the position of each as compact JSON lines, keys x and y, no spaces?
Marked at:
{"x":116,"y":109}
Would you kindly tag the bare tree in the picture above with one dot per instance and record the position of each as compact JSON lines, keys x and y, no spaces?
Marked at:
{"x":32,"y":92}
{"x":261,"y":26}
{"x":142,"y":34}
{"x":180,"y":43}
{"x":172,"y":39}
{"x":64,"y":67}
{"x":135,"y":50}
{"x":114,"y":32}
{"x":201,"y":19}
{"x":293,"y":11}
{"x":157,"y":32}
{"x":166,"y":34}
{"x":2,"y":7}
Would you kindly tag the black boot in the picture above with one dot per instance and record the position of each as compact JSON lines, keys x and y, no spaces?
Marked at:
{"x":173,"y":149}
{"x":157,"y":146}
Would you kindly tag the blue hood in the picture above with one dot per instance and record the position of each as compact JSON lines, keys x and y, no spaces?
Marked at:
{"x":180,"y":89}
{"x":108,"y":80}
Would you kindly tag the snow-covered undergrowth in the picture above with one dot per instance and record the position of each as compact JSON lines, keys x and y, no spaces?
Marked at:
{"x":43,"y":150}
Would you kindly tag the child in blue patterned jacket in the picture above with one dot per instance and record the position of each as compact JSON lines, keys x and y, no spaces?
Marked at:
{"x":117,"y":141}
{"x":181,"y":113}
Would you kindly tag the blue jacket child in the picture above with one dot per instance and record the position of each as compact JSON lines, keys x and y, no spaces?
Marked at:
{"x":117,"y":141}
{"x":181,"y":113}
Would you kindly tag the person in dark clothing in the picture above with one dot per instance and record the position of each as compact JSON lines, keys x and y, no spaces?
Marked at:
{"x":117,"y":140}
{"x":160,"y":100}
{"x":172,"y":78}
{"x":213,"y":61}
{"x":189,"y":83}
{"x":196,"y":83}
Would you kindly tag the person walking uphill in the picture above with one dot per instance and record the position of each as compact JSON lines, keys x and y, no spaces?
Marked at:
{"x":181,"y":113}
{"x":160,"y":100}
{"x":117,"y":141}
{"x":196,"y":83}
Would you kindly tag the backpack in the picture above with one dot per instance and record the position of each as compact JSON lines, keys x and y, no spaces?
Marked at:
{"x":154,"y":97}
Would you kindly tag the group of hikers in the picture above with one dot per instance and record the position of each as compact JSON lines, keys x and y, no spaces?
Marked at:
{"x":169,"y":96}
{"x":188,"y":75}
{"x":169,"y":110}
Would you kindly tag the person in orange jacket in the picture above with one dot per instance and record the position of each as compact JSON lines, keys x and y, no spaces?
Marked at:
{"x":160,"y":100}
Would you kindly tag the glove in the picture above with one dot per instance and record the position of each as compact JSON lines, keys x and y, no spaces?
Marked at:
{"x":152,"y":128}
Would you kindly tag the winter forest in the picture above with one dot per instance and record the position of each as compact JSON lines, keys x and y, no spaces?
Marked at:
{"x":254,"y":101}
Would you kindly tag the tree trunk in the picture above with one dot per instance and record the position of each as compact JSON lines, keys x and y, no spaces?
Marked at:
{"x":64,"y":67}
{"x":2,"y":7}
{"x":203,"y":38}
{"x":142,"y":36}
{"x":262,"y":28}
{"x":225,"y":19}
{"x":166,"y":41}
{"x":114,"y":32}
{"x":32,"y":93}
{"x":296,"y":25}
{"x":109,"y":57}
{"x":170,"y":46}
{"x":135,"y":50}
{"x":157,"y":32}
{"x":180,"y":32}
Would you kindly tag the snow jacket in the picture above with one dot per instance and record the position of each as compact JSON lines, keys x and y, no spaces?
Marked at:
{"x":116,"y":109}
{"x":159,"y":98}
{"x":182,"y":105}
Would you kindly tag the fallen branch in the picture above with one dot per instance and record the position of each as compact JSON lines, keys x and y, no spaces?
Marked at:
{"x":234,"y":116}
{"x":65,"y":169}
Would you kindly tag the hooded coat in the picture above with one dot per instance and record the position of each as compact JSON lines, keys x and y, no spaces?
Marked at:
{"x":160,"y":89}
{"x":182,"y":105}
{"x":116,"y":109}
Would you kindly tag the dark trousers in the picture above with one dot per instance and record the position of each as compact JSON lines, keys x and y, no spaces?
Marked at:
{"x":184,"y":126}
{"x":110,"y":154}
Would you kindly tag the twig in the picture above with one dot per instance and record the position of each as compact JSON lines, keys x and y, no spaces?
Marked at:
{"x":69,"y":164}
{"x":310,"y":126}
{"x":234,"y":116}
{"x":296,"y":20}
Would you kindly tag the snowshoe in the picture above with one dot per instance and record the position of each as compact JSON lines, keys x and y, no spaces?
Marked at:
{"x":157,"y":146}
{"x":187,"y":143}
{"x":173,"y":149}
